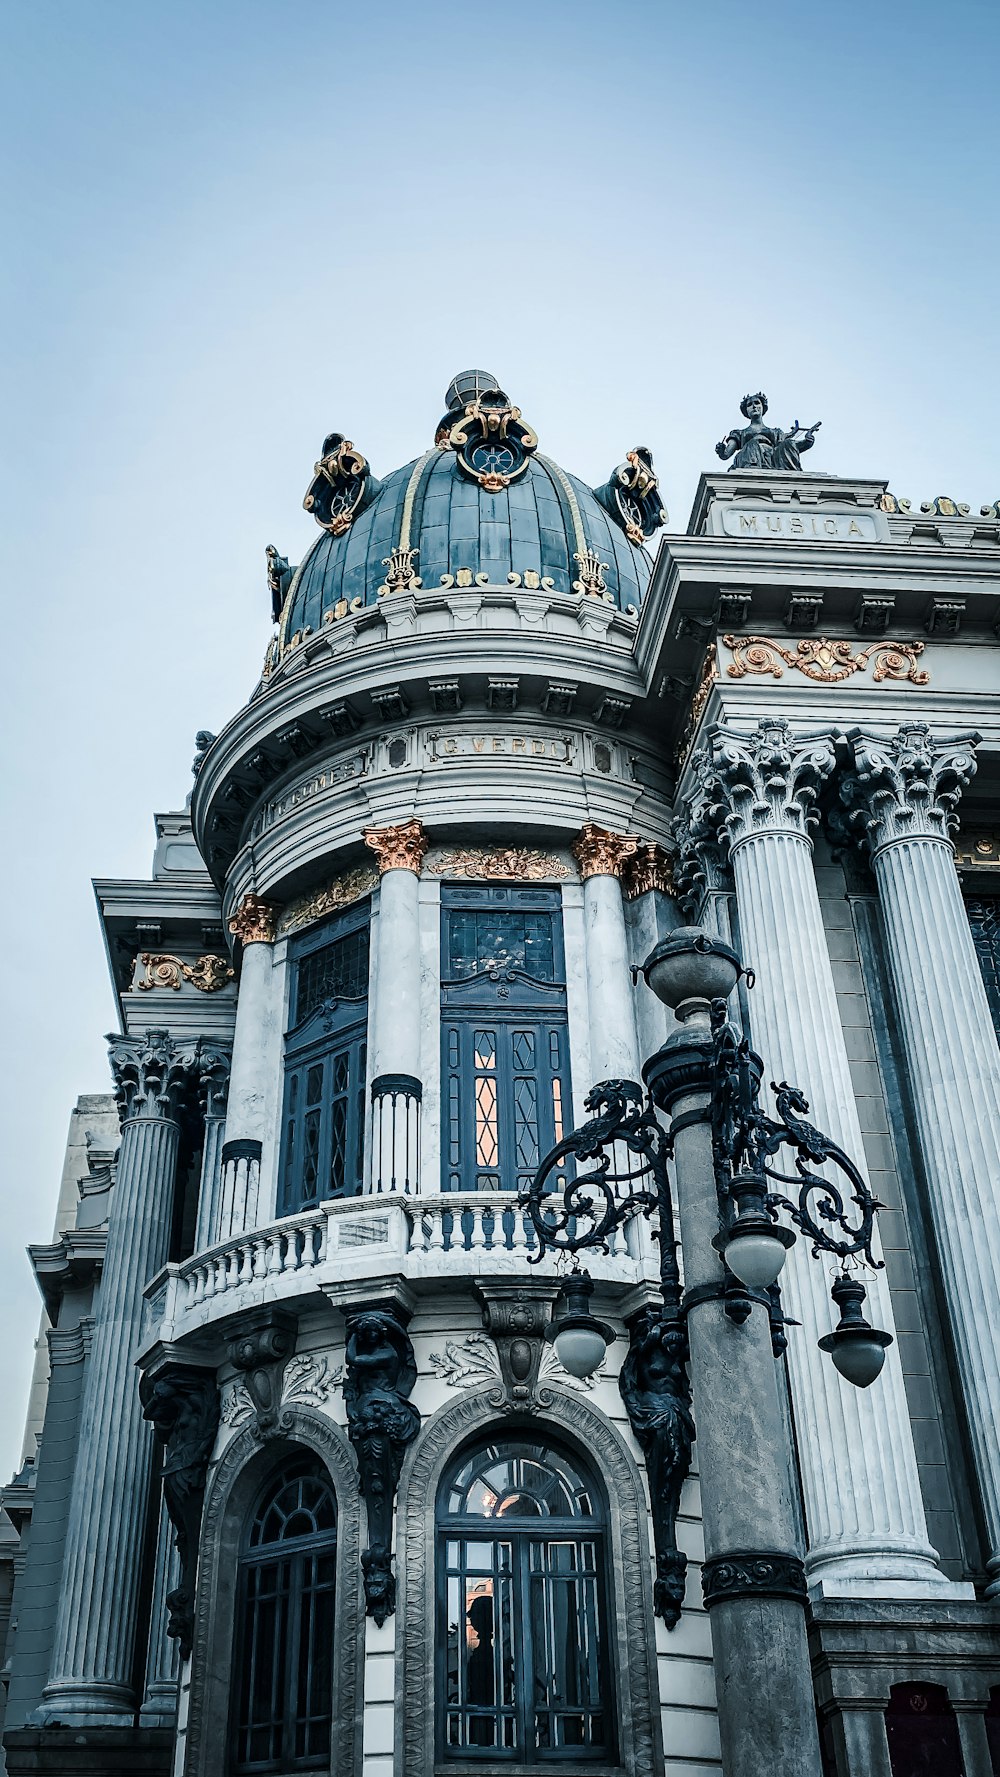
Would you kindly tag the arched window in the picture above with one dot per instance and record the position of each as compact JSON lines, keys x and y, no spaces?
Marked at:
{"x":283,"y":1695}
{"x":323,"y":1123}
{"x":505,"y":1049}
{"x":522,"y":1669}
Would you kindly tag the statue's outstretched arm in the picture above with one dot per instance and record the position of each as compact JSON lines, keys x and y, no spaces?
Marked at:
{"x":727,"y":446}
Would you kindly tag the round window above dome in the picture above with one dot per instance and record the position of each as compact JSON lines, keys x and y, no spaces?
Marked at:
{"x":483,"y":507}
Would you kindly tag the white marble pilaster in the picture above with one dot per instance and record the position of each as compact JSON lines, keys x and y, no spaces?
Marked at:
{"x":614,"y":1048}
{"x":214,"y":1087}
{"x":94,"y":1653}
{"x":251,"y":1117}
{"x":903,"y":795}
{"x":864,"y":1513}
{"x":394,"y":1024}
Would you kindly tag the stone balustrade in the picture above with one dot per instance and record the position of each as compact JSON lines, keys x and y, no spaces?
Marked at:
{"x":477,"y":1233}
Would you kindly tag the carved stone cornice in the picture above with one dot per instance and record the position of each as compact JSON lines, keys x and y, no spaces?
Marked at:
{"x":254,"y":921}
{"x":763,"y":782}
{"x":600,"y":853}
{"x":398,"y":848}
{"x":150,"y":1075}
{"x":699,"y":865}
{"x":906,"y":786}
{"x":649,"y":868}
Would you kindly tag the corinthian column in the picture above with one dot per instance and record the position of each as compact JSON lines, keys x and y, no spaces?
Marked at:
{"x":94,"y":1654}
{"x":902,"y":799}
{"x":755,"y":795}
{"x":253,"y":1083}
{"x":394,"y":1021}
{"x":614,"y":1051}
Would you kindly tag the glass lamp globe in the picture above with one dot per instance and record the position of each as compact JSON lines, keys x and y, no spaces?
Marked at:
{"x":580,"y":1349}
{"x":756,"y":1257}
{"x":857,"y":1349}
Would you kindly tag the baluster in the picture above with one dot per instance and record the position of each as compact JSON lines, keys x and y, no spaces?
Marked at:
{"x":259,"y":1260}
{"x":477,"y":1233}
{"x":245,"y":1255}
{"x":272,"y":1247}
{"x":434,"y":1216}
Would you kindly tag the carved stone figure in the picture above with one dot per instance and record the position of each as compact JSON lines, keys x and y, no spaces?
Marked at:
{"x":756,"y":446}
{"x":183,"y":1405}
{"x":657,"y":1396}
{"x":202,"y":741}
{"x":380,"y":1371}
{"x":279,"y":575}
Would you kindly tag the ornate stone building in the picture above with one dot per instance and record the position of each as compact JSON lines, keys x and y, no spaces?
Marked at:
{"x":297,"y":1365}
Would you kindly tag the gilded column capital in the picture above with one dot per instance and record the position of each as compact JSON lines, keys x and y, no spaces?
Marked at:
{"x":600,"y":853}
{"x":650,"y":867}
{"x":150,"y":1075}
{"x":398,"y":848}
{"x":254,"y":921}
{"x":766,"y":781}
{"x":907,"y":785}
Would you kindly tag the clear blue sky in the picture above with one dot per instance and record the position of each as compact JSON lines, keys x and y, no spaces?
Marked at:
{"x":233,"y":227}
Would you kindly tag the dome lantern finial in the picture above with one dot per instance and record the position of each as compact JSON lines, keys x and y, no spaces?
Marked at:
{"x":467,"y":387}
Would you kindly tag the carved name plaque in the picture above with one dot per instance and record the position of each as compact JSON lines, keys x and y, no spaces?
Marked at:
{"x":340,"y":771}
{"x":811,"y":526}
{"x":441,"y":745}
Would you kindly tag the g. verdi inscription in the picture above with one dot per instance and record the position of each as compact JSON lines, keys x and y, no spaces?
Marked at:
{"x":825,"y":527}
{"x":435,"y":747}
{"x":442,"y":744}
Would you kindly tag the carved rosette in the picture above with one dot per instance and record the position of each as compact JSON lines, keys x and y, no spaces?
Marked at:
{"x":648,"y":869}
{"x":150,"y":1075}
{"x":600,"y":853}
{"x":907,"y":786}
{"x":254,"y":921}
{"x":763,"y":782}
{"x":398,"y":848}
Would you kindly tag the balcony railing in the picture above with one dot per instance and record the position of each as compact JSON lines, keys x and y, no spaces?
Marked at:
{"x":476,"y":1233}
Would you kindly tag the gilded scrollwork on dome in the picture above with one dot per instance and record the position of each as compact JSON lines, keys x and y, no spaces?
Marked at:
{"x":341,"y":487}
{"x":491,"y":441}
{"x":632,"y":496}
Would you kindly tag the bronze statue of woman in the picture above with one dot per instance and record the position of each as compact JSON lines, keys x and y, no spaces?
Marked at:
{"x":756,"y":446}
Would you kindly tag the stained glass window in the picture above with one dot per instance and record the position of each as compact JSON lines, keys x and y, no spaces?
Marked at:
{"x":522,"y":1665}
{"x":283,"y":1700}
{"x":325,"y":1067}
{"x":505,"y":1052}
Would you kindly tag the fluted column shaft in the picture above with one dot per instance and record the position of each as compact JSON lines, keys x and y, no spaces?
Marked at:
{"x":861,"y":1490}
{"x":93,"y":1661}
{"x":159,"y":1703}
{"x":907,"y":788}
{"x":864,"y":1513}
{"x":210,"y":1185}
{"x":614,"y":1049}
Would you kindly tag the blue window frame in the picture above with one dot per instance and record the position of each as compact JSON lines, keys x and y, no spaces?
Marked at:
{"x":323,"y":1121}
{"x":283,"y":1700}
{"x":523,"y":1676}
{"x":505,"y":1048}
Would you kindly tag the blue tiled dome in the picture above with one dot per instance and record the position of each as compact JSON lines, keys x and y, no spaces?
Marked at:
{"x":535,"y":527}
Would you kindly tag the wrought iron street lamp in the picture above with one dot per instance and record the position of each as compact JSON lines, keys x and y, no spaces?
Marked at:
{"x":717,"y":1337}
{"x":629,"y":1148}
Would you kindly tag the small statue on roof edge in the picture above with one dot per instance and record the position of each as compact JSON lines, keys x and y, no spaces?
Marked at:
{"x":756,"y":446}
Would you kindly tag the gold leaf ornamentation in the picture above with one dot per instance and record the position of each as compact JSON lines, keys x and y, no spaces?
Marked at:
{"x":207,"y":973}
{"x":600,"y":853}
{"x":402,"y":573}
{"x":342,"y":892}
{"x":824,"y":661}
{"x":397,"y":848}
{"x":592,"y":570}
{"x":649,"y":868}
{"x":254,"y":921}
{"x":511,"y":864}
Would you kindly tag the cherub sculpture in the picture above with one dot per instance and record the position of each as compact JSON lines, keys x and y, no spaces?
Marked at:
{"x":655,"y":1390}
{"x":756,"y":446}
